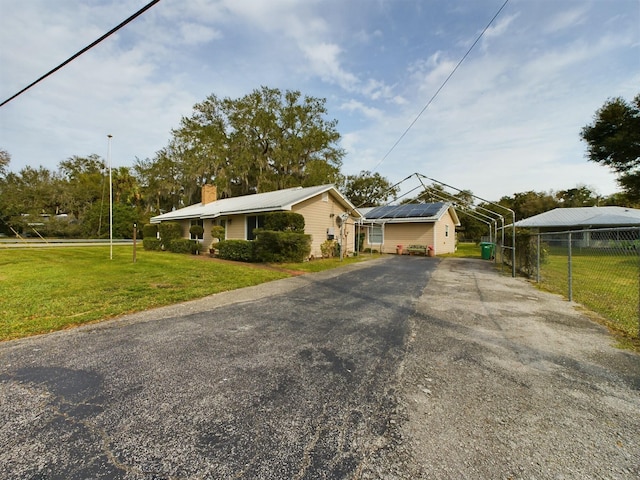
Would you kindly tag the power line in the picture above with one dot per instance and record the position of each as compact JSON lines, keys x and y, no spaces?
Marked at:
{"x":446,"y":80}
{"x":88,"y":47}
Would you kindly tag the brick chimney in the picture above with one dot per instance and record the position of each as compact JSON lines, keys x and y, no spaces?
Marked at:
{"x":209,"y":193}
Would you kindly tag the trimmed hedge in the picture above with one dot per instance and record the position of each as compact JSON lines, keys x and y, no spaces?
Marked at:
{"x":184,"y":245}
{"x":284,"y":222}
{"x":280,"y":247}
{"x":150,"y":230}
{"x":238,"y":250}
{"x":151,"y":243}
{"x":169,"y":231}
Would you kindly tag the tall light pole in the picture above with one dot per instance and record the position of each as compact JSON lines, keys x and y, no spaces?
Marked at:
{"x":110,"y":198}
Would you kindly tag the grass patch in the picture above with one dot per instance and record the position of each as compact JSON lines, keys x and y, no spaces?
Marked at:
{"x":49,"y":289}
{"x":321,"y":264}
{"x":465,"y":250}
{"x":605,"y":284}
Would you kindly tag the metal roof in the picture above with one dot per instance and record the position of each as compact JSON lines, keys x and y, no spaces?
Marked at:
{"x":408,"y":212}
{"x":260,"y":202}
{"x":583,"y":217}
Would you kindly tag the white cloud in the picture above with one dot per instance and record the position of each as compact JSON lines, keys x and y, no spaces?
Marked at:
{"x":194,"y":33}
{"x":324,"y":62}
{"x":507,"y":121}
{"x":369,"y":112}
{"x":567,"y":19}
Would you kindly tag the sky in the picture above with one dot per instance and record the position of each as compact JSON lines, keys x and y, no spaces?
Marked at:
{"x":507,"y":121}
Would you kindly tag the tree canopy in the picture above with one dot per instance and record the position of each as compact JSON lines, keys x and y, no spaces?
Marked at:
{"x":613,"y":140}
{"x":266,"y":140}
{"x":369,"y":189}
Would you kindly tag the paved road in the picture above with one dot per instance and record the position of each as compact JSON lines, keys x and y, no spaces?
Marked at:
{"x":407,"y":367}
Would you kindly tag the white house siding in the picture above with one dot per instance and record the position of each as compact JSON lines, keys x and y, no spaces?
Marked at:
{"x":320,"y":213}
{"x":236,"y":227}
{"x":444,"y":243}
{"x":405,"y":234}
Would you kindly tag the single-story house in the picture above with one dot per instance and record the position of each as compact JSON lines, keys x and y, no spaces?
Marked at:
{"x":589,"y":222}
{"x":428,"y":224}
{"x":326,"y":211}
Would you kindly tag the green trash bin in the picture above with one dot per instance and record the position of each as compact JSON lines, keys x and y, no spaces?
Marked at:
{"x":486,"y":249}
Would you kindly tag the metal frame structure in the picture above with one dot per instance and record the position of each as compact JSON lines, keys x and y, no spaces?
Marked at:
{"x":488,"y":202}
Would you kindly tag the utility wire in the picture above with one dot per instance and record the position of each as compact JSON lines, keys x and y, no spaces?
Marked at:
{"x":441,"y":86}
{"x":70,"y":59}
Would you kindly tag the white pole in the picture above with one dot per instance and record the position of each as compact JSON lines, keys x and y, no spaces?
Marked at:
{"x":110,"y":199}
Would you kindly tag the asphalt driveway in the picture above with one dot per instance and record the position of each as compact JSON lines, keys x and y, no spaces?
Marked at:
{"x":405,"y":367}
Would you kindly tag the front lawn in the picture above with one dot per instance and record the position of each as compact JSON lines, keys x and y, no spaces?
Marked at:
{"x":47,"y":289}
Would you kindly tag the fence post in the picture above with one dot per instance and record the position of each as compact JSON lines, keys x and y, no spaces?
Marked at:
{"x":538,"y":260}
{"x":570,"y":278}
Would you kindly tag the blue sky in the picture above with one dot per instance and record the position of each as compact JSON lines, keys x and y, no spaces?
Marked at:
{"x":508,"y":121}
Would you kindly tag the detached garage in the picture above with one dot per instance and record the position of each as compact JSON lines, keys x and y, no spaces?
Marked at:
{"x":413,"y":224}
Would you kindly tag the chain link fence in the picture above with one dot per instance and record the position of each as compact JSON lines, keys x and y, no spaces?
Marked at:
{"x":598,"y":268}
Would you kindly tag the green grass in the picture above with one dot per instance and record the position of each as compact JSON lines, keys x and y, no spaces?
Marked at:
{"x":48,"y":289}
{"x":466,"y":250}
{"x":320,"y":265}
{"x":605,"y":284}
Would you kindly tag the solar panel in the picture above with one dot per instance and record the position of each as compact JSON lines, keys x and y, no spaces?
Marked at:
{"x":408,"y":210}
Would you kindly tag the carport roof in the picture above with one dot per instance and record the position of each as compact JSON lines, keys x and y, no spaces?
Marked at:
{"x":583,"y":217}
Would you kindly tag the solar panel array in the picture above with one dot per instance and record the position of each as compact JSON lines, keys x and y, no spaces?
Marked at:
{"x":409,"y":210}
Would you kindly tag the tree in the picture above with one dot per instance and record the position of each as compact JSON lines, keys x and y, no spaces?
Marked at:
{"x":580,"y":196}
{"x":27,"y":195}
{"x":614,"y":141}
{"x":264,"y":141}
{"x":369,"y":189}
{"x":527,"y":204}
{"x":5,"y":159}
{"x":85,"y":182}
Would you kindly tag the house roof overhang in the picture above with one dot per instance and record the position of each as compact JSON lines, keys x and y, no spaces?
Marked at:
{"x":279,"y":200}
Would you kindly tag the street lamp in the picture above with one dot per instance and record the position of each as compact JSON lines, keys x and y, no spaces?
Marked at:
{"x":110,"y":198}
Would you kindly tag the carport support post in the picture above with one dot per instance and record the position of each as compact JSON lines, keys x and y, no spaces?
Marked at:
{"x":538,"y":259}
{"x":570,"y":278}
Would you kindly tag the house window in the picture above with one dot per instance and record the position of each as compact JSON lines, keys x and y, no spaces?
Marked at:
{"x":446,"y":230}
{"x":200,"y":223}
{"x":376,"y":235}
{"x":253,"y":222}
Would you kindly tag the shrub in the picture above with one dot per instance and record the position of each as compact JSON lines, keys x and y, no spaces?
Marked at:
{"x":330,"y":248}
{"x":151,"y":243}
{"x":150,"y":230}
{"x":217,"y":231}
{"x":284,"y":222}
{"x":169,"y":231}
{"x":279,"y":247}
{"x":238,"y":250}
{"x":196,"y":230}
{"x":182,"y":245}
{"x":196,"y":247}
